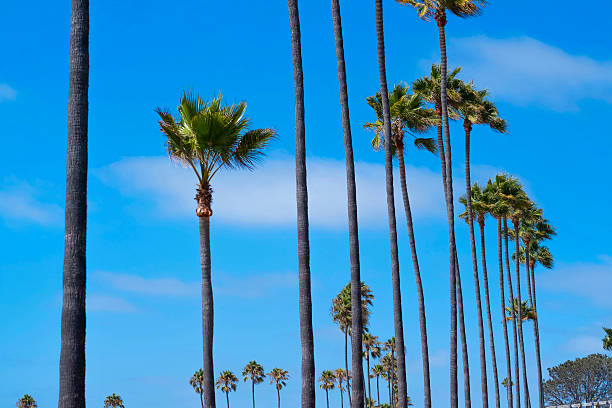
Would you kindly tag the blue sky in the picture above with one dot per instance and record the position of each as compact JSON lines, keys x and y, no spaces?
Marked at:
{"x":550,"y":76}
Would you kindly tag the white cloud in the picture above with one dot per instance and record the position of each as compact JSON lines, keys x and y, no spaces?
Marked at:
{"x":583,"y":344}
{"x":267,"y":195}
{"x":592,"y":281}
{"x":7,"y":93}
{"x":526,"y":71}
{"x":18,"y":201}
{"x":104,"y":303}
{"x":149,"y":286}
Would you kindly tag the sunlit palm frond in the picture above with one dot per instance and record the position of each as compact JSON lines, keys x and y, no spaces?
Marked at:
{"x":250,"y":148}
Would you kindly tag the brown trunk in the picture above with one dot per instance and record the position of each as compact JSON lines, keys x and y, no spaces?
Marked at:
{"x":502,"y":297}
{"x":464,"y":349}
{"x":207,"y":314}
{"x":513,"y":315}
{"x":520,"y":313}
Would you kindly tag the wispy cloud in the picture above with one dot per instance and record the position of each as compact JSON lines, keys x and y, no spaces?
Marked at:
{"x":583,"y":344}
{"x":104,"y":303}
{"x":527,"y":71}
{"x":267,"y":196}
{"x":592,"y":281}
{"x":7,"y":93}
{"x":19,"y":202}
{"x":148,"y":286}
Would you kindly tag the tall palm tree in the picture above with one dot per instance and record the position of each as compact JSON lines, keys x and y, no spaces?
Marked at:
{"x":72,"y":355}
{"x":377,"y":371}
{"x":197,"y":382}
{"x":208,"y":136}
{"x":113,"y":401}
{"x":341,"y":375}
{"x":254,"y":372}
{"x":26,"y":402}
{"x":371,"y":347}
{"x":607,"y":340}
{"x":279,"y":378}
{"x":327,"y":382}
{"x":389,"y":363}
{"x":226,"y":382}
{"x":357,"y":320}
{"x":398,"y":322}
{"x":408,"y":114}
{"x":305,"y":297}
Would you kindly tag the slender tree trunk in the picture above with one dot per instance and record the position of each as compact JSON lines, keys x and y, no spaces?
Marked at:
{"x":417,"y":277}
{"x":485,"y":281}
{"x":207,"y":313}
{"x":327,"y":397}
{"x":253,"y":391}
{"x":201,"y":400}
{"x":306,"y":337}
{"x":356,"y":318}
{"x":72,"y":355}
{"x":513,"y":316}
{"x":341,"y":397}
{"x":536,"y":336}
{"x":520,"y":313}
{"x":227,"y":398}
{"x":368,"y":363}
{"x":390,"y":393}
{"x":377,"y":392}
{"x":348,"y":383}
{"x":464,"y":349}
{"x":481,"y":337}
{"x":503,"y":311}
{"x":397,"y":297}
{"x":278,"y":395}
{"x":441,"y":21}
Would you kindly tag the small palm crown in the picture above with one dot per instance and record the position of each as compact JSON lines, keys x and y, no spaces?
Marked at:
{"x":226,"y":381}
{"x":113,"y":401}
{"x":428,"y":9}
{"x":278,"y":377}
{"x":327,"y":380}
{"x":254,"y":372}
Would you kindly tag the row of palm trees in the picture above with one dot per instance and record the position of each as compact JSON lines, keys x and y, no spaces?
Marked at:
{"x":227,"y":381}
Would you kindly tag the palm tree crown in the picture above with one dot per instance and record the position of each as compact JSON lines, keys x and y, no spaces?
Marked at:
{"x":607,"y":341}
{"x":427,"y":9}
{"x":226,"y":381}
{"x":278,"y":377}
{"x":26,"y":402}
{"x":253,"y":371}
{"x":113,"y":401}
{"x":327,"y":380}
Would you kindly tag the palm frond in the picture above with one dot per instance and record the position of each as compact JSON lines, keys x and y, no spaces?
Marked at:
{"x":250,"y":148}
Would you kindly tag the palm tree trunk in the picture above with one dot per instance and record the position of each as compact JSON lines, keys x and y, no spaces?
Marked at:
{"x":397,"y":297}
{"x":441,"y":21}
{"x":227,"y":398}
{"x":464,"y":349}
{"x":278,"y":395}
{"x":389,"y":380}
{"x":72,"y":355}
{"x":341,"y":397}
{"x":485,"y":282}
{"x":306,"y":337}
{"x":253,"y":391}
{"x":207,"y":313}
{"x":327,"y":397}
{"x":481,"y":338}
{"x":513,"y":315}
{"x":419,"y":285}
{"x":377,"y":392}
{"x":502,"y":297}
{"x":356,"y":318}
{"x":368,"y":364}
{"x":536,"y":335}
{"x":348,"y":383}
{"x":201,"y":400}
{"x":520,"y":317}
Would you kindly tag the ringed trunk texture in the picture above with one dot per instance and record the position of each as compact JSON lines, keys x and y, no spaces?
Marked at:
{"x":306,"y":337}
{"x":464,"y":349}
{"x":485,"y":282}
{"x":348,"y":382}
{"x":481,"y":337}
{"x":513,"y":315}
{"x":502,"y":296}
{"x":72,"y":354}
{"x":419,"y":284}
{"x":368,"y":368}
{"x":207,"y":313}
{"x":520,"y":313}
{"x":395,"y":276}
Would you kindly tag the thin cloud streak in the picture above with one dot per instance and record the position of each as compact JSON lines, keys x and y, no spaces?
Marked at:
{"x":19,"y":202}
{"x":7,"y":93}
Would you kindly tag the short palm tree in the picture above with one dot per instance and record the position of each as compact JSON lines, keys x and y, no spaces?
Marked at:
{"x":371,"y":348}
{"x":327,"y":382}
{"x":26,"y":402}
{"x":113,"y":401}
{"x":254,"y":372}
{"x":607,"y":340}
{"x":208,"y":137}
{"x":278,"y":378}
{"x":377,"y":371}
{"x":197,"y":382}
{"x":226,"y":382}
{"x":341,"y":376}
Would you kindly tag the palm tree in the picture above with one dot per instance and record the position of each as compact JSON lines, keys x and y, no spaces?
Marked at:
{"x":254,"y":372}
{"x":371,"y":347}
{"x":357,"y":320}
{"x":395,"y":275}
{"x":328,"y":381}
{"x":607,"y":340}
{"x":113,"y":401}
{"x":72,"y":354}
{"x":341,"y":375}
{"x":26,"y":402}
{"x":197,"y":382}
{"x":305,"y":298}
{"x":527,"y":312}
{"x":377,"y":371}
{"x":278,"y":378}
{"x":226,"y":382}
{"x":408,"y":113}
{"x":389,"y":363}
{"x":208,"y":137}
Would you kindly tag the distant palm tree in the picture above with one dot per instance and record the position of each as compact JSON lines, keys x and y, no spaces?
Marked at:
{"x":26,"y":402}
{"x":208,"y":137}
{"x":254,"y":372}
{"x":327,"y":382}
{"x":197,"y":382}
{"x":278,"y":378}
{"x":389,"y":363}
{"x":371,"y":347}
{"x":607,"y":340}
{"x":527,"y":312}
{"x":341,"y":375}
{"x":113,"y":401}
{"x":305,"y":295}
{"x":226,"y":382}
{"x":72,"y":354}
{"x":377,"y":371}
